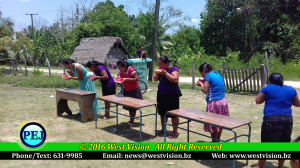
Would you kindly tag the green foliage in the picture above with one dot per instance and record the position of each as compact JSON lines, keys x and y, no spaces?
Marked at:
{"x":39,"y":81}
{"x":290,"y":70}
{"x":221,"y":27}
{"x":104,"y":20}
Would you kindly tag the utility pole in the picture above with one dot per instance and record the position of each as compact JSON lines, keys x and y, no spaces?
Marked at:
{"x":31,"y":14}
{"x":153,"y":47}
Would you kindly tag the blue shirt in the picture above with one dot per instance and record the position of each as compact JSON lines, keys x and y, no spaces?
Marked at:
{"x":216,"y":86}
{"x":278,"y":99}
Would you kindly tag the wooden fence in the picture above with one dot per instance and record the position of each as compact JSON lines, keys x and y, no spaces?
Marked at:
{"x":244,"y":80}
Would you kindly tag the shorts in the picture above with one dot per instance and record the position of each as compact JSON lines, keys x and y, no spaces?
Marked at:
{"x":277,"y":128}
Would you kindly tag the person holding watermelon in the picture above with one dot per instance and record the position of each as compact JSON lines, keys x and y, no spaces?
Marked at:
{"x":80,"y":73}
{"x":168,"y":93}
{"x":107,"y":82}
{"x":129,"y":80}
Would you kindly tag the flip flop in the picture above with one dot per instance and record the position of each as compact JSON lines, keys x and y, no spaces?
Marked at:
{"x":159,"y":132}
{"x":173,"y":136}
{"x":129,"y":125}
{"x":104,"y":118}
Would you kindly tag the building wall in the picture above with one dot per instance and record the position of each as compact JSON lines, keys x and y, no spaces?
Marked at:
{"x":115,"y":55}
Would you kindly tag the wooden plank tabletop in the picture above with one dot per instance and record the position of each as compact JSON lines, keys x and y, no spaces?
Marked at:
{"x":126,"y":101}
{"x":75,"y":91}
{"x":209,"y":118}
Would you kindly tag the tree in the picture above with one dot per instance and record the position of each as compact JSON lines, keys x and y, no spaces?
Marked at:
{"x":6,"y":33}
{"x":221,"y":27}
{"x":105,"y":19}
{"x":278,"y":28}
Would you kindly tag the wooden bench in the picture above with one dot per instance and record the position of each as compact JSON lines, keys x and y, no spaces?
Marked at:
{"x":132,"y":103}
{"x":216,"y":120}
{"x":85,"y":100}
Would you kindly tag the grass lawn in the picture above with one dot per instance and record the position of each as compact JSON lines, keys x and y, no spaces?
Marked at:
{"x":25,"y":104}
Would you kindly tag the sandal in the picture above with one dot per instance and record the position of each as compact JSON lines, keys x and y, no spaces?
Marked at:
{"x":173,"y":136}
{"x":129,"y":125}
{"x":104,"y":118}
{"x":159,"y":132}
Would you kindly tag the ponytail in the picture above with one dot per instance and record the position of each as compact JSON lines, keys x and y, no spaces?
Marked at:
{"x":205,"y":67}
{"x":276,"y":78}
{"x":123,"y":63}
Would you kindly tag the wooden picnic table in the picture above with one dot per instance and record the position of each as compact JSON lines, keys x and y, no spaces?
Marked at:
{"x":216,"y":120}
{"x":84,"y":98}
{"x":137,"y":104}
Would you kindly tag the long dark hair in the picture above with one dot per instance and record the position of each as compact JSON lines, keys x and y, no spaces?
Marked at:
{"x":164,"y":59}
{"x":205,"y":67}
{"x":123,"y":63}
{"x":93,"y":64}
{"x":276,"y":78}
{"x":68,"y":61}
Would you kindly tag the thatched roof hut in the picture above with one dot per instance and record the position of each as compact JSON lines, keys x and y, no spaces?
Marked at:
{"x":107,"y":50}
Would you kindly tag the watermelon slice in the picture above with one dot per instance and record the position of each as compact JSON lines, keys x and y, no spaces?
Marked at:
{"x":200,"y":80}
{"x":158,"y":70}
{"x":118,"y":79}
{"x":64,"y":76}
{"x":91,"y":77}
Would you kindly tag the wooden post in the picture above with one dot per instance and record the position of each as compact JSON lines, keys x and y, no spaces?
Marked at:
{"x":49,"y":68}
{"x":240,"y":80}
{"x":64,"y":69}
{"x":233,"y":82}
{"x":223,"y":69}
{"x":263,"y":75}
{"x":236,"y":79}
{"x":243,"y":77}
{"x":193,"y":78}
{"x":246,"y":75}
{"x":226,"y":78}
{"x":26,"y":74}
{"x":254,"y":83}
{"x":229,"y":78}
{"x":14,"y":67}
{"x":257,"y":80}
{"x":267,"y":65}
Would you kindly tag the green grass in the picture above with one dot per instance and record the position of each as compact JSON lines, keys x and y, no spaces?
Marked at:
{"x":21,"y":103}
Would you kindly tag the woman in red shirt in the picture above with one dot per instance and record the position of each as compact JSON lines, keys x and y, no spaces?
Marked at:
{"x":131,"y":87}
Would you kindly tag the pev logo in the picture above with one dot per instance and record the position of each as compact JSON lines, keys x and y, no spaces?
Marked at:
{"x":32,"y":135}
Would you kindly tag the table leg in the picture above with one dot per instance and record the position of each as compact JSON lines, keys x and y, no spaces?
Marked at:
{"x":117,"y":112}
{"x":141,"y":119}
{"x":165,"y":128}
{"x":155,"y":119}
{"x":96,"y":119}
{"x":233,"y":162}
{"x":62,"y":106}
{"x":249,"y":135}
{"x":86,"y":108}
{"x":188,"y":131}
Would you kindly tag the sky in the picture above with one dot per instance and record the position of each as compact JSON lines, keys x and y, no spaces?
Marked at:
{"x":48,"y":10}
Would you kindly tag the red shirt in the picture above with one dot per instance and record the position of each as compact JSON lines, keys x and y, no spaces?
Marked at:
{"x":129,"y":85}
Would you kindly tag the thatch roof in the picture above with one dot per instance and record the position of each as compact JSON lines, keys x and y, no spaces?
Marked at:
{"x":97,"y":48}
